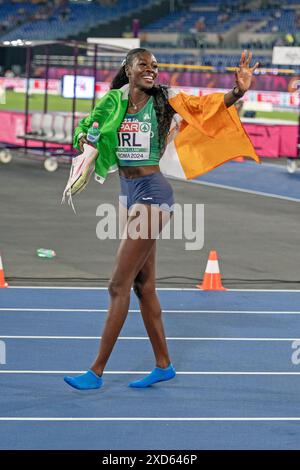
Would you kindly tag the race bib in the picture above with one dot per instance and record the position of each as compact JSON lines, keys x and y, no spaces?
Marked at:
{"x":134,"y":140}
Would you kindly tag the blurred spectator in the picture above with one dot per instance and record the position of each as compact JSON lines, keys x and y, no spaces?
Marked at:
{"x":179,"y":25}
{"x":221,"y":40}
{"x":107,"y":3}
{"x":9,"y":74}
{"x":277,"y":14}
{"x":64,"y":14}
{"x":289,"y":39}
{"x":278,"y":42}
{"x":200,"y":24}
{"x":222,"y":18}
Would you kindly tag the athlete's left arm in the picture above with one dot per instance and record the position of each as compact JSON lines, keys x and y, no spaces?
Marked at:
{"x":243,"y":78}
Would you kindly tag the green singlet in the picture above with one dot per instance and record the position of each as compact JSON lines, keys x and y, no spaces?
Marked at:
{"x":138,"y":143}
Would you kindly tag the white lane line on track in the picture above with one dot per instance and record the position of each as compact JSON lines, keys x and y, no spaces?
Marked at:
{"x":194,"y":289}
{"x":265,"y":290}
{"x":84,"y":310}
{"x":123,"y":372}
{"x":145,"y":338}
{"x":209,"y":418}
{"x":248,"y":191}
{"x":87,"y":310}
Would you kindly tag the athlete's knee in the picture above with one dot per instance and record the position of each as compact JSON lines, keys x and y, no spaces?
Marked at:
{"x":118,"y":288}
{"x":143,"y":289}
{"x":137,"y":289}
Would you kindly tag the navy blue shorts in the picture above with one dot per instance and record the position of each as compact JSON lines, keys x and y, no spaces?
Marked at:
{"x":149,"y":189}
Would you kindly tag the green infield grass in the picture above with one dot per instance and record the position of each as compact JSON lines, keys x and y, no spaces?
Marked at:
{"x":16,"y":102}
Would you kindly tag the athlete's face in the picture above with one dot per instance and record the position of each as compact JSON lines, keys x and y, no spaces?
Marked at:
{"x":143,"y":71}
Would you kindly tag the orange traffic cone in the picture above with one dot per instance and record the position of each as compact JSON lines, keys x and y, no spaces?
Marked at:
{"x":3,"y":283}
{"x":212,"y":276}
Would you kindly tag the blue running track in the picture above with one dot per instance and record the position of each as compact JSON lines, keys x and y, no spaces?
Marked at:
{"x":238,"y":382}
{"x":248,"y":176}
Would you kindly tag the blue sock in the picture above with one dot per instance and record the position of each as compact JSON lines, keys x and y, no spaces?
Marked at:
{"x":87,"y":381}
{"x":157,"y":375}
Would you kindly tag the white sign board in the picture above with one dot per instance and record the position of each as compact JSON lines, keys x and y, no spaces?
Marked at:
{"x":84,"y":86}
{"x":286,"y":55}
{"x":124,"y":43}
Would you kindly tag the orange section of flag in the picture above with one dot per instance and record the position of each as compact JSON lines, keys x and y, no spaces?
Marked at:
{"x":210,"y":133}
{"x":212,"y":276}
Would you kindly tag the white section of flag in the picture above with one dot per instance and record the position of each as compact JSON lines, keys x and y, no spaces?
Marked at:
{"x":170,"y":162}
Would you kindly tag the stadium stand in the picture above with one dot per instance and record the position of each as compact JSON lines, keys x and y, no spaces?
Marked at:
{"x":255,"y":25}
{"x":12,"y":14}
{"x":283,"y":23}
{"x":221,"y":20}
{"x":60,"y":20}
{"x":265,"y":22}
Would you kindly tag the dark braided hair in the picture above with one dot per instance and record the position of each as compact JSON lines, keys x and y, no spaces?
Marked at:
{"x":164,"y":111}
